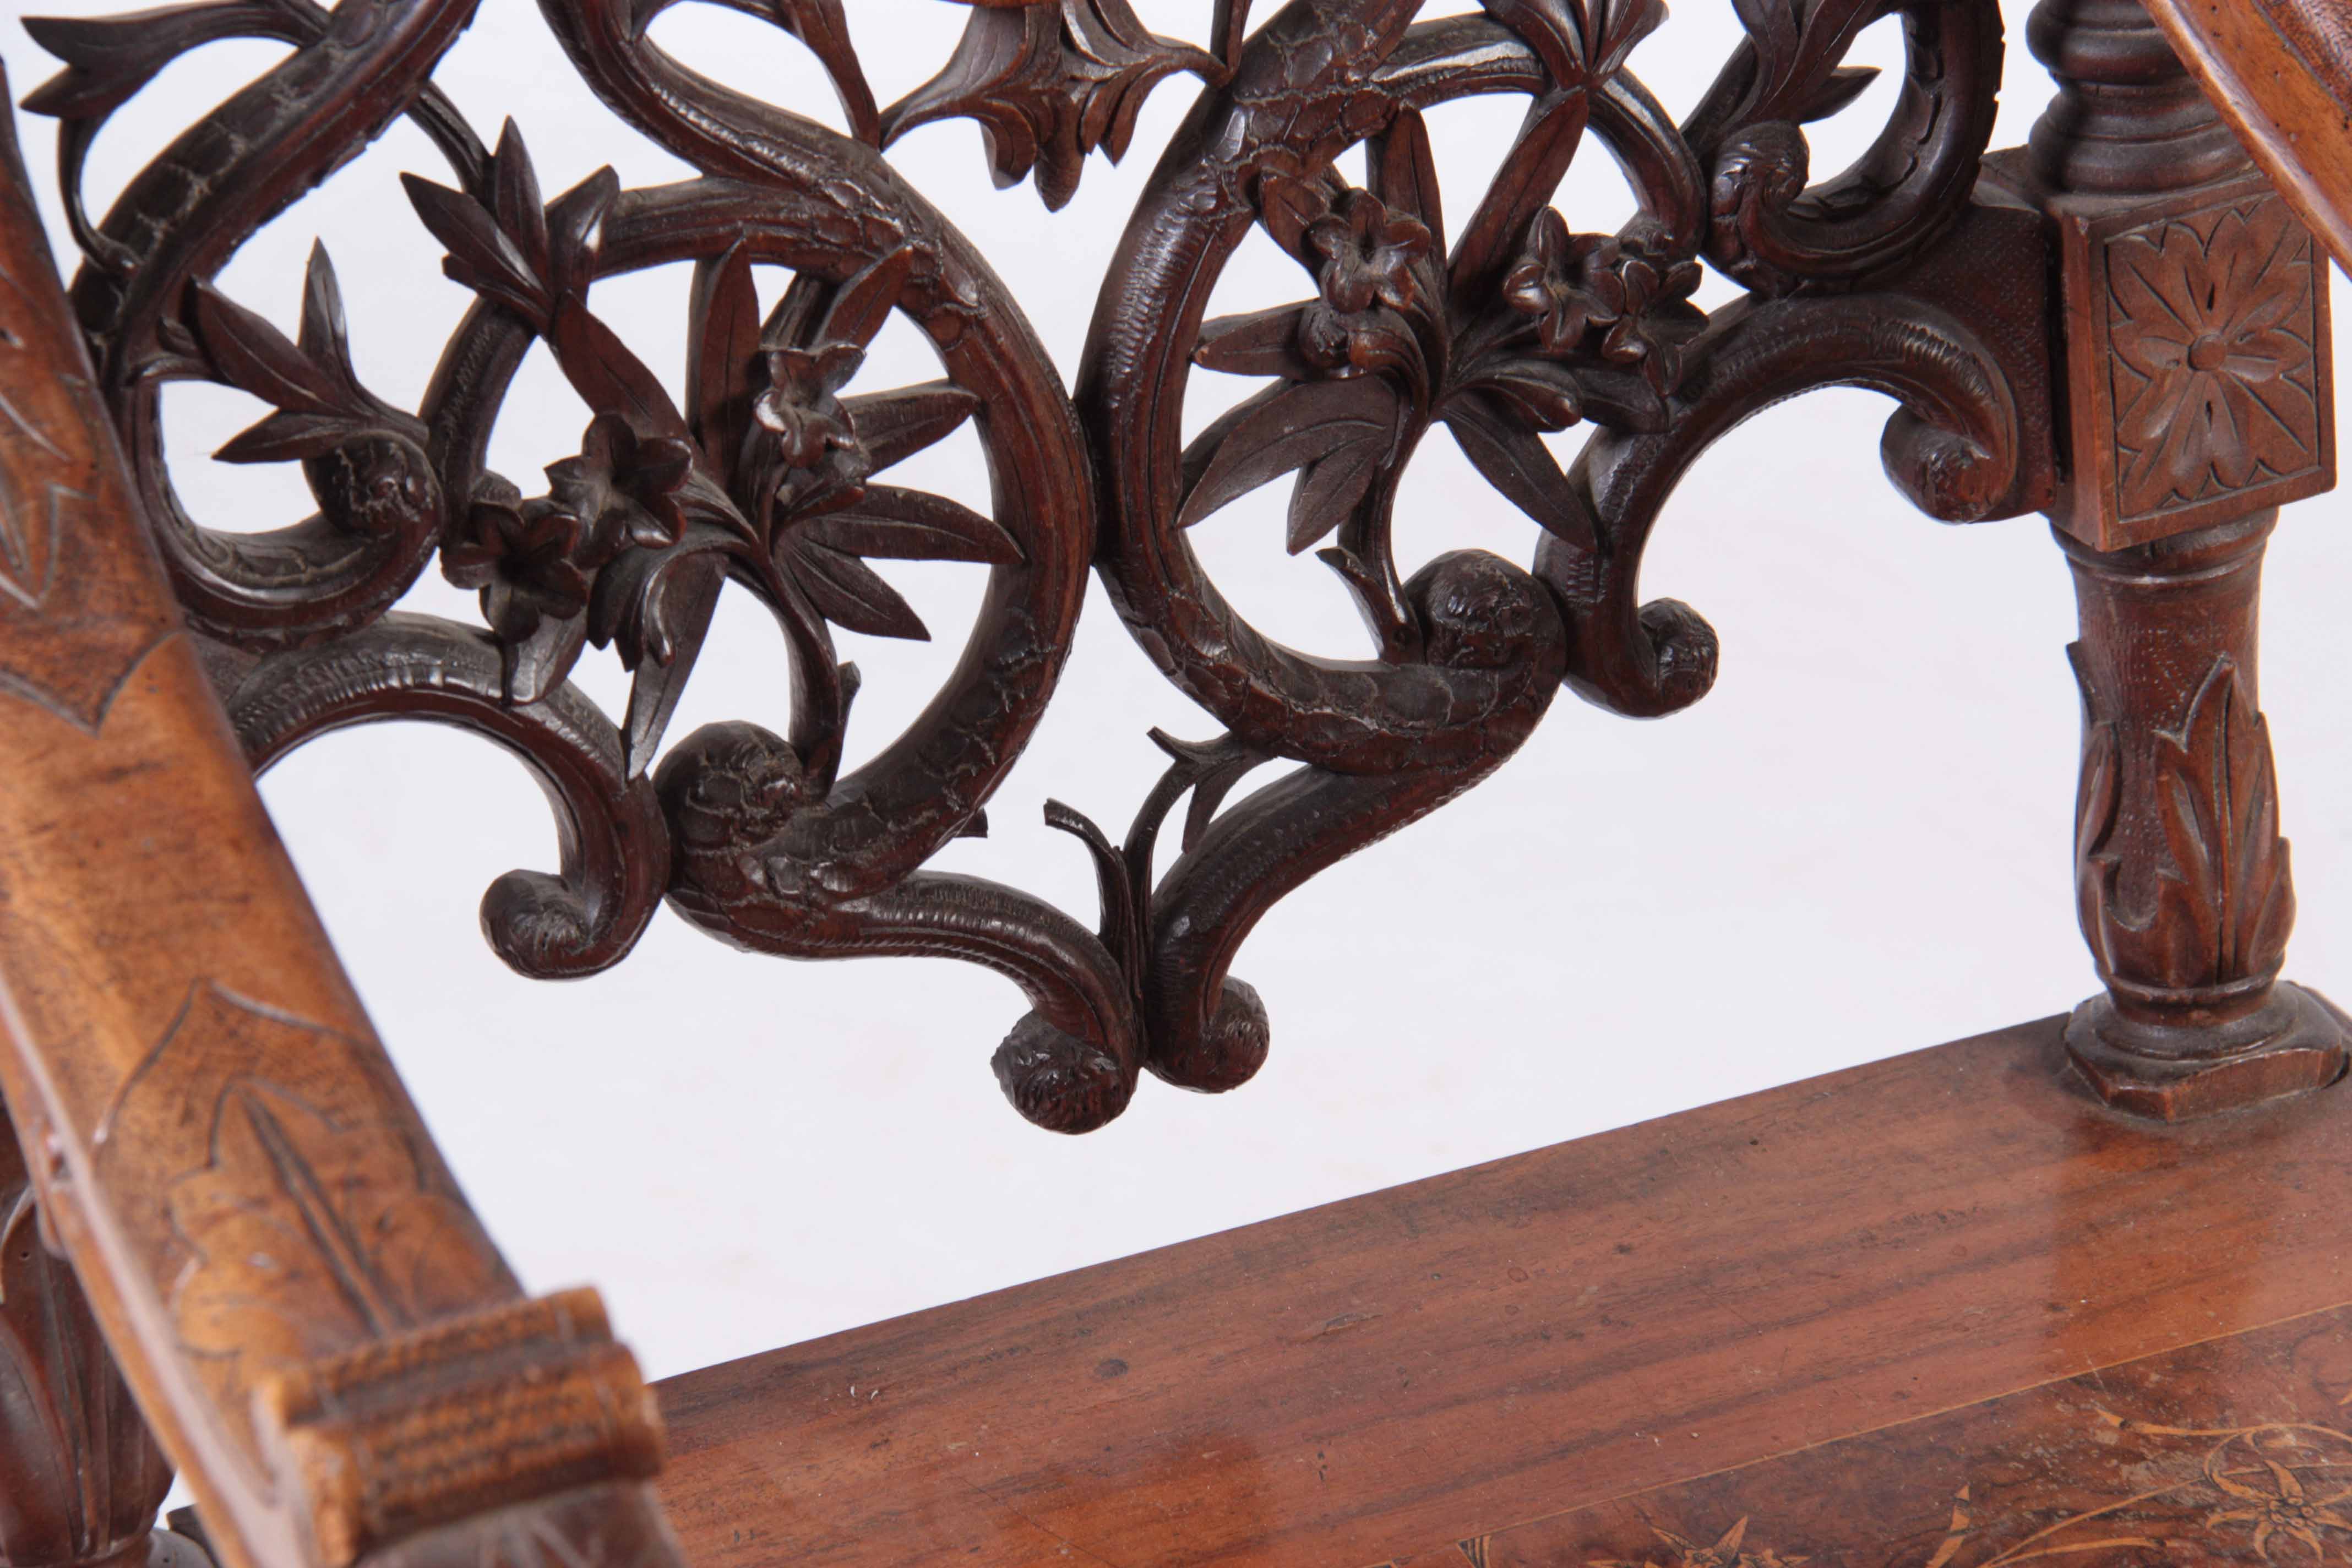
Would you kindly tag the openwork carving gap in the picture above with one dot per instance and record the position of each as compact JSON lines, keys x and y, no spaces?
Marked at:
{"x":1492,"y":314}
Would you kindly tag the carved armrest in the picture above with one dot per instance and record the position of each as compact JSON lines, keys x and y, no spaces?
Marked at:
{"x":311,"y":1318}
{"x":2280,"y":72}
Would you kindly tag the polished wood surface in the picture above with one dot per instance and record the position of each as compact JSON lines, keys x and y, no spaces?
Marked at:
{"x":1383,"y":1377}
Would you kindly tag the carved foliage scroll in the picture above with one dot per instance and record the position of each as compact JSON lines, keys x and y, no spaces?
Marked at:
{"x":1491,"y":313}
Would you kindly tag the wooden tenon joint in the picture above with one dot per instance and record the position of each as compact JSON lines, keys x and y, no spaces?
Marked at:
{"x":2198,"y":393}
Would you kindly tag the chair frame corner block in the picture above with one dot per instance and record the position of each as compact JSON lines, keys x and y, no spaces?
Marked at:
{"x":225,"y":1233}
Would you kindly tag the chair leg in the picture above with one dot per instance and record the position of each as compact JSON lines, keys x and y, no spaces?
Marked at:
{"x":2198,"y":389}
{"x":2181,"y":875}
{"x":80,"y":1476}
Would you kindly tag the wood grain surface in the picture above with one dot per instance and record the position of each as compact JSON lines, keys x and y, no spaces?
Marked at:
{"x":2281,"y":72}
{"x":1388,"y":1375}
{"x":2234,"y":1450}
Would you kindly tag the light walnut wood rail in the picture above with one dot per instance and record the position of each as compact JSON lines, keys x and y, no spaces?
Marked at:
{"x":313,"y":1320}
{"x":2280,"y":71}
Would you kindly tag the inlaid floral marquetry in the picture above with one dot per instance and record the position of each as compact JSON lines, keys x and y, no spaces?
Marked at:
{"x":2235,"y":1451}
{"x":2209,"y":325}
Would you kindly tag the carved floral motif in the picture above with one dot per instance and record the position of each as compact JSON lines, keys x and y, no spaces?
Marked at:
{"x":771,"y":473}
{"x":1727,"y":1551}
{"x":2279,"y":1492}
{"x":2212,"y":327}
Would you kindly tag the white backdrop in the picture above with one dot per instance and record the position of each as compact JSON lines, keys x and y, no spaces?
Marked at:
{"x":1857,"y":845}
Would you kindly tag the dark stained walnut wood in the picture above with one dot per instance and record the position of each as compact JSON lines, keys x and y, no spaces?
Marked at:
{"x":288,"y":1279}
{"x":2122,"y":325}
{"x":2185,"y":890}
{"x":80,"y":1476}
{"x":1500,"y":321}
{"x":1380,"y":1379}
{"x":2197,"y":376}
{"x":2196,"y":339}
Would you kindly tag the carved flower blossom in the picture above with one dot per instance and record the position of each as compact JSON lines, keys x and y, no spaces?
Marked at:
{"x":816,"y":439}
{"x":2283,"y":1507}
{"x":625,"y":488}
{"x":1565,"y":282}
{"x":1368,"y":253}
{"x":525,"y":556}
{"x":2208,"y":326}
{"x":1639,"y":299}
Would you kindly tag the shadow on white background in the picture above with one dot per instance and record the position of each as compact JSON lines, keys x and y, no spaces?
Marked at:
{"x":1857,"y":845}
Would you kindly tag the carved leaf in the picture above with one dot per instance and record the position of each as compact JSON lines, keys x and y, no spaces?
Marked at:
{"x":252,"y":356}
{"x":1797,"y":76}
{"x":1543,"y":394}
{"x":864,"y":303}
{"x":1121,"y":887}
{"x":894,"y":425}
{"x":537,"y":664}
{"x":1514,"y":460}
{"x":846,"y":591}
{"x":1530,"y":173}
{"x":1229,"y":32}
{"x":1838,"y":89}
{"x":321,"y":405}
{"x":2220,"y":798}
{"x":1331,"y":488}
{"x":1049,"y":83}
{"x":1262,"y":342}
{"x":109,"y":58}
{"x":686,"y":599}
{"x":1580,"y":41}
{"x":1283,"y":428}
{"x":649,"y":602}
{"x":913,"y":525}
{"x":724,"y":347}
{"x":480,"y":258}
{"x":1402,"y":172}
{"x":820,"y":26}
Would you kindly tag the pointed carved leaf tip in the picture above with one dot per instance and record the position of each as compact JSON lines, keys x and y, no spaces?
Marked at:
{"x":1050,"y":82}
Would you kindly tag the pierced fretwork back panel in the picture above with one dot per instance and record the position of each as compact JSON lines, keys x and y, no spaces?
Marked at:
{"x":1488,"y":311}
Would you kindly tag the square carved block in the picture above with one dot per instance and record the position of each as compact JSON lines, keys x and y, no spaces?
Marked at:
{"x":2197,"y":376}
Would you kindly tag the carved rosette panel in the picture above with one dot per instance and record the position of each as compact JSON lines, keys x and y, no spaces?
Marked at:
{"x":1491,"y":313}
{"x":2206,"y":332}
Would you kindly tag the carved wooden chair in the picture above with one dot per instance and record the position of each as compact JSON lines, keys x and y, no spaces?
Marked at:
{"x":2075,"y":1290}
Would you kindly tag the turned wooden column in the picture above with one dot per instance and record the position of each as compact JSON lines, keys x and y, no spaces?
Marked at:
{"x":80,"y":1476}
{"x":2198,"y":401}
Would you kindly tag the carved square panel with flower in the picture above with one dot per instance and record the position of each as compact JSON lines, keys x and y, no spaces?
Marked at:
{"x":2201,"y":367}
